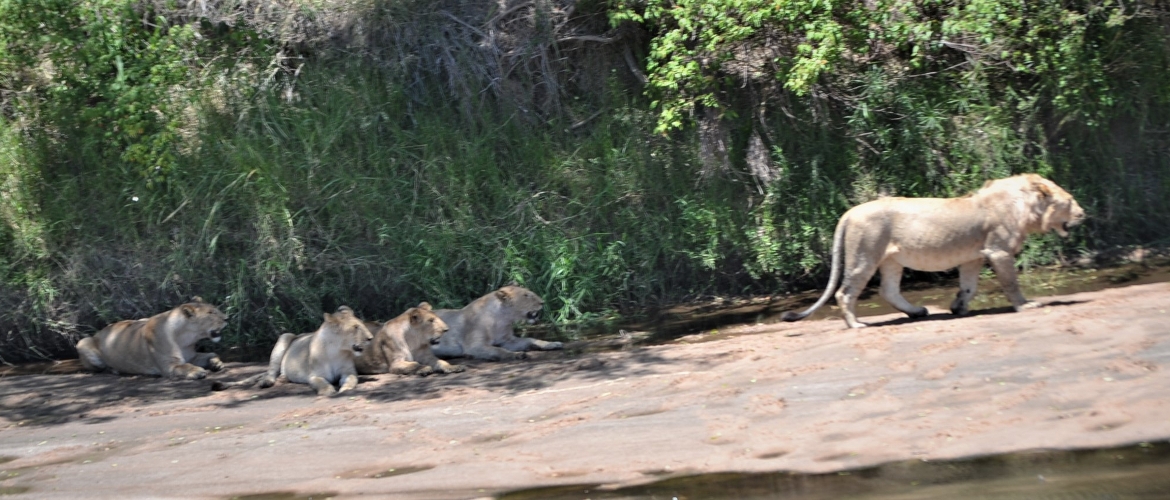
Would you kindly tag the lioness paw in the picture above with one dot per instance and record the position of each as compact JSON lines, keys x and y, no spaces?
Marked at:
{"x":1031,"y":304}
{"x":552,"y":346}
{"x":192,"y":373}
{"x":215,"y":364}
{"x":454,"y":369}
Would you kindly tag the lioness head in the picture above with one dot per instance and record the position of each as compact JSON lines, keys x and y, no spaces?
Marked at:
{"x":205,"y":318}
{"x":1060,"y":210}
{"x":346,"y":325}
{"x":425,"y":324}
{"x":521,"y":301}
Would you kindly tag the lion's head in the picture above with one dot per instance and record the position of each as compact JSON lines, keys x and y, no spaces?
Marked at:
{"x":519,"y":303}
{"x":425,"y":327}
{"x":348,"y":328}
{"x":203,"y":318}
{"x":1060,"y":210}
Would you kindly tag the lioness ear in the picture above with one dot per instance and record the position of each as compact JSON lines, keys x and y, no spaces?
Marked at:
{"x":188,"y":311}
{"x":328,"y":317}
{"x":426,"y":306}
{"x":503,"y":294}
{"x":512,"y":283}
{"x":1043,"y":189}
{"x":196,"y":299}
{"x":414,"y":317}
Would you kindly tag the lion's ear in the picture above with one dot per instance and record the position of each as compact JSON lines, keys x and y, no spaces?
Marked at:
{"x":426,"y":306}
{"x":1043,"y":189}
{"x":196,"y":299}
{"x":328,"y":317}
{"x":503,"y":294}
{"x":188,"y":310}
{"x":512,"y":283}
{"x":414,"y":317}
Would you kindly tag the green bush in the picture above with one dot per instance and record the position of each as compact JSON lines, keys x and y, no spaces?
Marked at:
{"x":284,"y":162}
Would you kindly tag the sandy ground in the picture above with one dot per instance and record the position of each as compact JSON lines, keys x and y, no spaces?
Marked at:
{"x":1087,"y":370}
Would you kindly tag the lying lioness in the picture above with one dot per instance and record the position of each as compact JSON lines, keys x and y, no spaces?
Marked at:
{"x":321,"y":358}
{"x":163,"y":344}
{"x":403,"y":345}
{"x":934,"y":234}
{"x":484,"y":328}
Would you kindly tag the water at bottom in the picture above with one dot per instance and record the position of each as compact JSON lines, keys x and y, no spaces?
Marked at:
{"x":1134,"y":472}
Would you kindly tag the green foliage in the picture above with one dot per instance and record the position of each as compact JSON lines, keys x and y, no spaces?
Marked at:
{"x":1014,"y":52}
{"x":114,"y":72}
{"x":150,"y":153}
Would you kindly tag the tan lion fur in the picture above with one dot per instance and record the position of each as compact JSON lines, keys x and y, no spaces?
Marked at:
{"x":321,"y":358}
{"x":403,"y":345}
{"x":936,"y":234}
{"x":163,"y":344}
{"x":484,"y":328}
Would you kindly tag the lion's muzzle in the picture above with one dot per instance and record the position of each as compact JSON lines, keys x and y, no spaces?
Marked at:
{"x":531,"y":316}
{"x":357,"y":349}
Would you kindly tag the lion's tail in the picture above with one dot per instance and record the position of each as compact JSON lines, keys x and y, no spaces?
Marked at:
{"x":219,"y":386}
{"x":834,"y":276}
{"x":268,"y":378}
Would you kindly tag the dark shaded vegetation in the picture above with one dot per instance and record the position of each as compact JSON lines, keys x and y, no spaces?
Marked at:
{"x":280,"y":159}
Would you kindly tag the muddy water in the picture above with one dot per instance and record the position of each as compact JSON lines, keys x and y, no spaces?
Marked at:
{"x":701,"y":322}
{"x":1136,"y":472}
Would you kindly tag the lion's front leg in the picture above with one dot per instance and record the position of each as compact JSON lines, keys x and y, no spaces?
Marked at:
{"x":208,"y":360}
{"x":529,"y":344}
{"x":441,"y":366}
{"x":1004,"y":264}
{"x":968,"y":282}
{"x":187,"y":371}
{"x":426,"y":357}
{"x":348,"y":382}
{"x":322,"y":386}
{"x":404,"y":367}
{"x":493,"y":353}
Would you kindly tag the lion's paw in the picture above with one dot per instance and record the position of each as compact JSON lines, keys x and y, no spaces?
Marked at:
{"x":454,"y":369}
{"x":1031,"y":304}
{"x":215,"y":364}
{"x":195,"y":374}
{"x":552,"y":346}
{"x":959,"y":308}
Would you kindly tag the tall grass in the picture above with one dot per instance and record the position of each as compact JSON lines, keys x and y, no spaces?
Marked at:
{"x":351,"y":180}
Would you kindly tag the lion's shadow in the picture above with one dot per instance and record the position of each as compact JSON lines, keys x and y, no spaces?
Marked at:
{"x":53,"y":399}
{"x":977,"y":312}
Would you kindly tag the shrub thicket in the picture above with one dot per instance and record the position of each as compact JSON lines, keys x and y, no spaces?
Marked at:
{"x":284,"y":158}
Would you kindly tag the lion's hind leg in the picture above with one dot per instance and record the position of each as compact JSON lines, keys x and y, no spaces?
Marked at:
{"x":892,"y":290}
{"x":89,"y":355}
{"x":856,"y":274}
{"x":276,"y":359}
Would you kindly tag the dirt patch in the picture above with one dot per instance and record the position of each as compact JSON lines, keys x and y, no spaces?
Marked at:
{"x":1086,"y":371}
